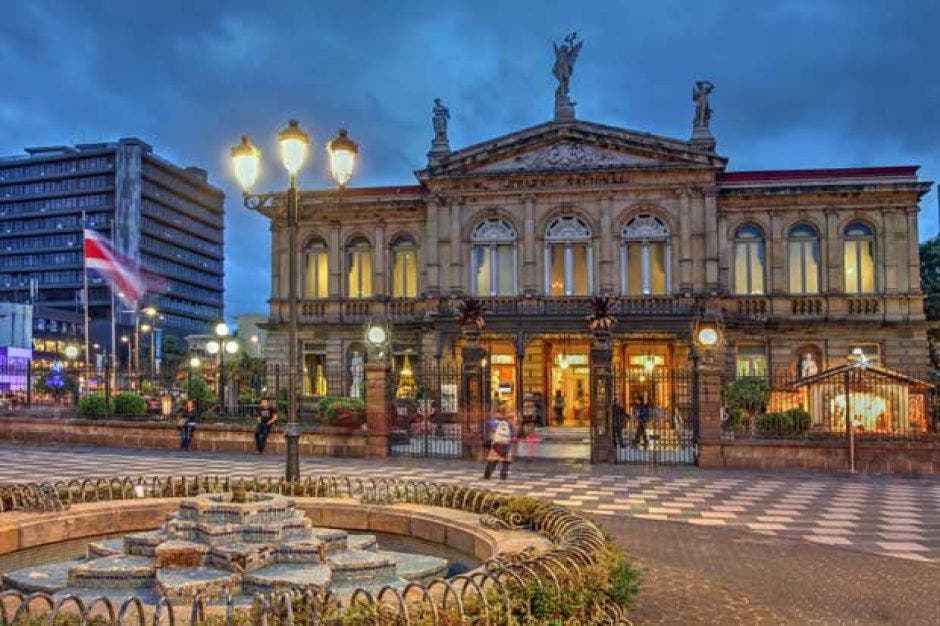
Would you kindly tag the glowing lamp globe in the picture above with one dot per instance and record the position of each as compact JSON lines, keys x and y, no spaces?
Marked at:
{"x":213,"y":347}
{"x":231,"y":347}
{"x":221,"y":329}
{"x":293,"y":144}
{"x":195,"y":362}
{"x":342,"y":151}
{"x":246,"y":163}
{"x":708,"y":336}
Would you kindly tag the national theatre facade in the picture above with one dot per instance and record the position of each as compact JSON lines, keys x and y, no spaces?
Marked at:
{"x":793,"y":265}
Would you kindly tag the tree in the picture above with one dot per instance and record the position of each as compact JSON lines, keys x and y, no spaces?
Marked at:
{"x":930,"y":276}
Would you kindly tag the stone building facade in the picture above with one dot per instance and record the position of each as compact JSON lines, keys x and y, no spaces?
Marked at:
{"x":789,"y":262}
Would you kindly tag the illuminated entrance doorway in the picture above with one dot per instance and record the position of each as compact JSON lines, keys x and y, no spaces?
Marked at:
{"x":569,"y":385}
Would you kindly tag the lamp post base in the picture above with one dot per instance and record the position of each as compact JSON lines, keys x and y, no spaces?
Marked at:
{"x":292,"y":437}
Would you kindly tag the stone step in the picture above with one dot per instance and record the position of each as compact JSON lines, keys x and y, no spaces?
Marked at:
{"x":145,"y":543}
{"x":360,"y":566}
{"x":121,"y":571}
{"x":183,"y":583}
{"x":106,"y":547}
{"x":242,"y":557}
{"x":336,"y":540}
{"x":416,"y":567}
{"x":362,"y":542}
{"x":39,"y":579}
{"x":286,"y":576}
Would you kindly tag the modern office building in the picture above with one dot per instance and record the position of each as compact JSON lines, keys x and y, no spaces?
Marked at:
{"x":168,"y":218}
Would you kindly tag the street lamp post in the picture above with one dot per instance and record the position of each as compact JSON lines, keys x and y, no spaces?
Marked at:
{"x":222,"y":346}
{"x":194,"y":364}
{"x":246,"y":160}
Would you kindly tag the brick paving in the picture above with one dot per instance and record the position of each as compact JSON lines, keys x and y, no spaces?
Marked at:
{"x":894,"y":517}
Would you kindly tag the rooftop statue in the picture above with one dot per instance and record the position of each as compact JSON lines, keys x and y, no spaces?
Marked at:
{"x":565,"y":56}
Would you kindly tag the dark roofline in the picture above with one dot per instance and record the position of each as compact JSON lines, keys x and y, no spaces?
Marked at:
{"x":757,"y":176}
{"x":363,"y":192}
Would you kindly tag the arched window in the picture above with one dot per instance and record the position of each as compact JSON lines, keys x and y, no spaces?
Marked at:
{"x":748,"y":260}
{"x":316,"y":270}
{"x":803,"y":259}
{"x":404,"y":268}
{"x":359,"y":268}
{"x":568,"y":257}
{"x":493,"y":258}
{"x":859,"y":258}
{"x":644,"y":256}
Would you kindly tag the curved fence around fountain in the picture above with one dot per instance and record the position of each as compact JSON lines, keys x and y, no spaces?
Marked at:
{"x":491,"y":594}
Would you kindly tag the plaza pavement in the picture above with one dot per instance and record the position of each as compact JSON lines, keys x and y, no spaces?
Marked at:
{"x":895,"y":517}
{"x":715,"y":547}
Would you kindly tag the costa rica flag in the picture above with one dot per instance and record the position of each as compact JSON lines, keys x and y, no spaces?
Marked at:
{"x":124,"y":275}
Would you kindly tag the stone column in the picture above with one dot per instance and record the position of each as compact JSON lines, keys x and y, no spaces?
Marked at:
{"x":707,"y":388}
{"x":602,"y":386}
{"x":378,"y":409}
{"x":711,"y":241}
{"x":379,"y":284}
{"x":529,"y":274}
{"x":472,"y":395}
{"x":607,"y":255}
{"x":456,"y":249}
{"x":913,"y":252}
{"x":834,"y":260}
{"x":432,"y":263}
{"x":335,"y":262}
{"x":685,"y":242}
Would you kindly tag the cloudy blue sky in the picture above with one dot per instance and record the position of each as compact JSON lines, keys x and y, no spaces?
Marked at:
{"x":798,"y":84}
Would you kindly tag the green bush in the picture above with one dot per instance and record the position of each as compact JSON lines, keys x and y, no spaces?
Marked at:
{"x":199,"y":392}
{"x":129,"y":404}
{"x":345,"y":405}
{"x":783,"y":423}
{"x":748,"y":393}
{"x":93,"y":405}
{"x":326,"y":401}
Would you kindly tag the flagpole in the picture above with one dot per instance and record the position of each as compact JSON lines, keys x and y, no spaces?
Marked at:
{"x":113,"y":356}
{"x":85,"y":296}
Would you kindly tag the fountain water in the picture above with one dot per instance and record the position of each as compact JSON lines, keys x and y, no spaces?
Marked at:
{"x":230,"y":544}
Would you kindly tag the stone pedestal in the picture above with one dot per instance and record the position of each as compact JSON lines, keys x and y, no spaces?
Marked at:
{"x":378,"y":409}
{"x":602,"y":384}
{"x":564,"y":109}
{"x":708,"y":388}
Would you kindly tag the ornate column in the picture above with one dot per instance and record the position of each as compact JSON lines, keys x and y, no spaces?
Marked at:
{"x":456,"y":248}
{"x":432,"y":264}
{"x":711,"y":241}
{"x":600,"y":324}
{"x":529,"y":273}
{"x":913,"y":252}
{"x":889,"y":226}
{"x":379,"y":284}
{"x":833,"y":248}
{"x":685,"y":240}
{"x":335,"y":262}
{"x":706,"y":395}
{"x":472,"y":393}
{"x":606,"y":255}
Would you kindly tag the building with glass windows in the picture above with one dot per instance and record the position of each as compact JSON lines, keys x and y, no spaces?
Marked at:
{"x":788,"y":263}
{"x":167,"y":218}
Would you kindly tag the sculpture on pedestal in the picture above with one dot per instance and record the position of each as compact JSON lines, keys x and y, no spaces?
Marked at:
{"x":701,"y":133}
{"x":565,"y":56}
{"x":440,"y":145}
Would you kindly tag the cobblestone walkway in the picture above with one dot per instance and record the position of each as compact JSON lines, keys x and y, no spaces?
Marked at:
{"x":894,"y":517}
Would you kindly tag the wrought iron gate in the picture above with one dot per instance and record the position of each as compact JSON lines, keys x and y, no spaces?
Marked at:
{"x":660,"y":426}
{"x":425,"y":417}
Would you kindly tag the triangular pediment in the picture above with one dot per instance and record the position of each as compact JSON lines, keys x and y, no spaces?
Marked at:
{"x":570,"y":146}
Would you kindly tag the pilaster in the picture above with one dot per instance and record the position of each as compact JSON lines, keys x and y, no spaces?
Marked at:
{"x":529,"y":265}
{"x":378,"y":408}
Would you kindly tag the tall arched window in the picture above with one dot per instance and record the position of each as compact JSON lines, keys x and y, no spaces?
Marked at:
{"x":316,"y":270}
{"x":644,"y":256}
{"x":859,"y":258}
{"x":803,"y":259}
{"x":748,"y":260}
{"x":404,"y":268}
{"x":568,"y":257}
{"x":493,"y":258}
{"x":359,"y":268}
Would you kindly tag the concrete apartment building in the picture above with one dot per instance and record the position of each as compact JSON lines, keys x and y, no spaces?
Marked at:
{"x":168,"y":218}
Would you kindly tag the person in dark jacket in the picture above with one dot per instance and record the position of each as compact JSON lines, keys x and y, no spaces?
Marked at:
{"x":620,"y":419}
{"x":188,"y":419}
{"x":267,"y":418}
{"x":642,"y":414}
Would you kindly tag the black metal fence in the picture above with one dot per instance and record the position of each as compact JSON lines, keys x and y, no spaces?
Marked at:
{"x":881,"y":405}
{"x":425,"y":414}
{"x":660,"y":425}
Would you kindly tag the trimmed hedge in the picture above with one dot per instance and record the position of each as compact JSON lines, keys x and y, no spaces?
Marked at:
{"x":129,"y":404}
{"x":93,"y":405}
{"x":782,"y":424}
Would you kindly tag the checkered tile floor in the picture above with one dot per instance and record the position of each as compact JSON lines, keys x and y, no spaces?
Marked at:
{"x":889,"y":516}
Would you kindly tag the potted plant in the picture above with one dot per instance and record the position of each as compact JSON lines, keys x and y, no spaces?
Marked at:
{"x":746,"y":397}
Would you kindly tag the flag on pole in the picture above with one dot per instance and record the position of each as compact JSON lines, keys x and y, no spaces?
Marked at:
{"x":122,"y":273}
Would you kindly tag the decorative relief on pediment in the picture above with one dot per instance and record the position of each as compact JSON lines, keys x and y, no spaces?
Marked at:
{"x":565,"y":155}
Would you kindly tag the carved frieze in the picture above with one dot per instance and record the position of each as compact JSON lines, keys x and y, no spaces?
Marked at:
{"x":565,"y":155}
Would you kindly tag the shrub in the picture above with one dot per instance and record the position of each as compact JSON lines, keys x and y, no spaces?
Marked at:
{"x":783,"y":423}
{"x":326,"y":401}
{"x":346,"y":412}
{"x":749,"y":393}
{"x":129,"y":404}
{"x":93,"y":405}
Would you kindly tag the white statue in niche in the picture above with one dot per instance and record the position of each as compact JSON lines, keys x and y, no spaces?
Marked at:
{"x":808,"y":365}
{"x":357,"y":369}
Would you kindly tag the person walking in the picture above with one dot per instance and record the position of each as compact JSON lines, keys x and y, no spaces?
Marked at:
{"x":642,"y":417}
{"x":619,"y":418}
{"x":267,"y":418}
{"x":500,"y":449}
{"x":188,"y":418}
{"x":558,"y":406}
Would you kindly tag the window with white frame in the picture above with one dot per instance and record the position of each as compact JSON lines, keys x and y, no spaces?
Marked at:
{"x":493,"y":258}
{"x":645,"y":257}
{"x":859,"y":258}
{"x":748,"y":260}
{"x":404,"y":268}
{"x":316,"y":270}
{"x":750,"y":361}
{"x":569,"y":257}
{"x":803,"y":259}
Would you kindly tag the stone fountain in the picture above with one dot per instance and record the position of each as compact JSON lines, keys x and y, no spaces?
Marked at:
{"x":236,"y":544}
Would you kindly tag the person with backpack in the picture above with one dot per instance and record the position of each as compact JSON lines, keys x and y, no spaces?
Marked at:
{"x":500,"y":439}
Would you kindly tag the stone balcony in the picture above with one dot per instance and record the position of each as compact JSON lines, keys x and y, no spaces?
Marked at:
{"x":734,"y":309}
